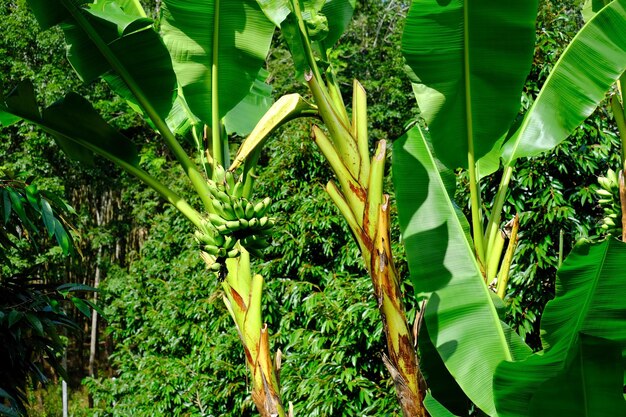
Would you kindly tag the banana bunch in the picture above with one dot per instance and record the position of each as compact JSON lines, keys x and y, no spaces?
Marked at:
{"x":609,"y":200}
{"x":234,"y":220}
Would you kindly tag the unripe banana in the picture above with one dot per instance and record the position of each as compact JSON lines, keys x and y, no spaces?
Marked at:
{"x":216,"y":219}
{"x":255,"y":252}
{"x":233,"y":253}
{"x":212,"y":186}
{"x":223,"y":229}
{"x":239,"y":210}
{"x":256,"y":242}
{"x":218,"y":173}
{"x":233,"y":225}
{"x":266,"y":223}
{"x":226,"y":211}
{"x":229,"y":242}
{"x":230,"y":180}
{"x":221,"y":252}
{"x":224,"y":198}
{"x":249,"y":211}
{"x":204,"y":238}
{"x":605,"y":183}
{"x":220,"y":240}
{"x":259,"y":209}
{"x":215,"y":267}
{"x":244,"y":223}
{"x":253,"y":223}
{"x":237,"y":191}
{"x":211,"y":249}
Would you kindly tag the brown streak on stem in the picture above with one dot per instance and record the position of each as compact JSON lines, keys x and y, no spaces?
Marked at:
{"x":238,"y":299}
{"x":358,"y":191}
{"x":402,"y":358}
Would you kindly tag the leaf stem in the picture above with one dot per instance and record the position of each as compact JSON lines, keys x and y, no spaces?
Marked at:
{"x":498,"y":204}
{"x":188,"y":166}
{"x":477,"y":220}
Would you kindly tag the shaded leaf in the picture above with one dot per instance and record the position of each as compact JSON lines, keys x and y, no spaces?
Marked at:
{"x":591,"y":386}
{"x":461,"y":318}
{"x":589,"y":299}
{"x":103,"y":40}
{"x":74,"y":124}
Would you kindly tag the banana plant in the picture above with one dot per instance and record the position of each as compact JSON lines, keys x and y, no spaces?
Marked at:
{"x":200,"y":76}
{"x":468,"y":61}
{"x":311,"y":28}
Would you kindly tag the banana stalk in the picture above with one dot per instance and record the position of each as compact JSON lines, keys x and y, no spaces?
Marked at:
{"x":360,"y":199}
{"x":242,"y":296}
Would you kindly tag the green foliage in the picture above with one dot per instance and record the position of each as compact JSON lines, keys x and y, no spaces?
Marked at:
{"x":554,"y":191}
{"x":165,"y":310}
{"x":30,"y":212}
{"x":584,"y":320}
{"x":32,"y":323}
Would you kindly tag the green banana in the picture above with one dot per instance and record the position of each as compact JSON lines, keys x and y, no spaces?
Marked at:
{"x":239,"y":210}
{"x":253,"y":223}
{"x":216,"y":219}
{"x":230,"y":180}
{"x":229,"y":242}
{"x":233,"y":225}
{"x":261,"y":208}
{"x":215,"y":267}
{"x":237,"y":190}
{"x":249,"y":210}
{"x":255,"y":242}
{"x":224,"y":198}
{"x":211,"y":249}
{"x":233,"y":253}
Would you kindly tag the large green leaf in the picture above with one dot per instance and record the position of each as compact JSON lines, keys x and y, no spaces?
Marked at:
{"x":242,"y":118}
{"x":74,"y":124}
{"x":460,"y":315}
{"x":469,"y":62}
{"x":590,"y":296}
{"x":593,"y":61}
{"x":118,"y":44}
{"x":231,"y":36}
{"x":591,"y":386}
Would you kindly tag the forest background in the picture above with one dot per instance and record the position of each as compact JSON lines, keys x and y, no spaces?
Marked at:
{"x":167,"y":346}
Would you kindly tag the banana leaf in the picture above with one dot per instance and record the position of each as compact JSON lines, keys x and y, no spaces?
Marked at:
{"x":591,"y":64}
{"x":232,"y":37}
{"x":590,"y":296}
{"x":326,"y":21}
{"x":120,"y":45}
{"x":469,"y":62}
{"x":460,"y":316}
{"x":590,"y":386}
{"x":74,"y":124}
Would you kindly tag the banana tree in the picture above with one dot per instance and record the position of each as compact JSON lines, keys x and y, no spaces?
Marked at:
{"x":206,"y":81}
{"x":468,"y":62}
{"x":195,"y":79}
